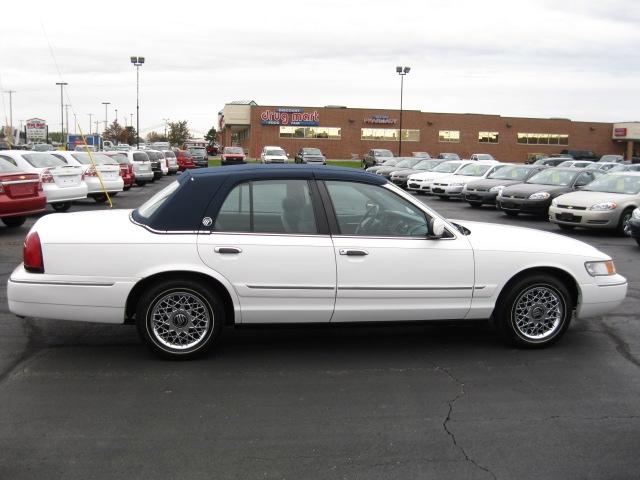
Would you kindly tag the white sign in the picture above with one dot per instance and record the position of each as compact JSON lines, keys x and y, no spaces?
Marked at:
{"x":36,"y":130}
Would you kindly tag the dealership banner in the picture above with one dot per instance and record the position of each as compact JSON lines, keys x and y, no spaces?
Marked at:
{"x":290,"y":116}
{"x":36,"y":130}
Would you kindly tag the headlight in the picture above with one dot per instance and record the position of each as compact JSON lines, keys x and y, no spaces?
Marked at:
{"x":554,"y":202}
{"x":603,"y":206}
{"x":636,"y":214}
{"x":599,"y":269}
{"x":497,"y":188}
{"x":539,"y":196}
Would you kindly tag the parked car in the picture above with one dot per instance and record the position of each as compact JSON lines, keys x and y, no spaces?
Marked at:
{"x":627,"y":167}
{"x":199,"y":155}
{"x":172,"y":161}
{"x":21,"y":194}
{"x":532,"y":283}
{"x":421,"y":182}
{"x":61,"y":183}
{"x":634,"y":225}
{"x":535,"y":195}
{"x":43,"y":147}
{"x":5,"y":145}
{"x":164,"y":163}
{"x":310,"y":155}
{"x":100,"y":172}
{"x":448,"y":156}
{"x":575,"y":164}
{"x":399,"y":177}
{"x":122,"y":147}
{"x":603,"y":166}
{"x":85,"y":148}
{"x":484,"y":192}
{"x":534,"y":157}
{"x":612,"y":158}
{"x":404,"y":163}
{"x":481,"y":156}
{"x":160,"y":146}
{"x":580,"y":154}
{"x":387,"y":163}
{"x":185,"y":160}
{"x":141,"y":166}
{"x":421,"y":154}
{"x":452,"y":186}
{"x":233,"y":156}
{"x":551,"y":161}
{"x":213,"y":149}
{"x":126,"y":168}
{"x":154,"y":158}
{"x":273,"y":155}
{"x":375,"y":156}
{"x":607,"y":202}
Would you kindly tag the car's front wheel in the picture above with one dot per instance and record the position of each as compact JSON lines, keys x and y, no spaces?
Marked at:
{"x":535,"y":311}
{"x":61,"y":206}
{"x":14,"y":222}
{"x":475,"y":204}
{"x":511,"y":213}
{"x":179,"y":318}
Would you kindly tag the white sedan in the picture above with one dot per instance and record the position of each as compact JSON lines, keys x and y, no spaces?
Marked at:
{"x":422,"y":182}
{"x":452,"y":186}
{"x":101,"y":173}
{"x":260,"y":244}
{"x":61,"y":183}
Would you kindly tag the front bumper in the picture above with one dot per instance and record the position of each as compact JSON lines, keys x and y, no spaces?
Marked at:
{"x":447,"y":190}
{"x":584,"y":218}
{"x":201,"y":162}
{"x":485,"y":197}
{"x":399,"y":181}
{"x":523,"y":205}
{"x":419,"y":186}
{"x":601,"y":296}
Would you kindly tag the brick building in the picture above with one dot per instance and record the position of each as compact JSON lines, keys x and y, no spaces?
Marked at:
{"x":341,"y":132}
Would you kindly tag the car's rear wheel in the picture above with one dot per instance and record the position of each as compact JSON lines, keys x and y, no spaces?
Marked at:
{"x":179,"y":318}
{"x":61,"y":206}
{"x":141,"y":183}
{"x":13,"y":222}
{"x":475,"y":204}
{"x":624,"y":228}
{"x":511,"y":213}
{"x":535,"y":311}
{"x":124,"y":189}
{"x":100,"y":198}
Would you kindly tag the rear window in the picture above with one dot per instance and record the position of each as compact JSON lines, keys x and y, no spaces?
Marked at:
{"x":140,"y":157}
{"x":6,"y":167}
{"x":98,"y":158}
{"x":42,"y":160}
{"x":148,"y":208}
{"x":119,"y":158}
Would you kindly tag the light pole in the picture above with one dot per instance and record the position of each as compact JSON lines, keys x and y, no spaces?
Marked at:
{"x":90,"y":125}
{"x":131,"y":120}
{"x":11,"y":92}
{"x":402,"y":71}
{"x":137,"y":62}
{"x":62,"y":84}
{"x":116,"y":115}
{"x":66,"y":112}
{"x":166,"y":121}
{"x":106,"y":122}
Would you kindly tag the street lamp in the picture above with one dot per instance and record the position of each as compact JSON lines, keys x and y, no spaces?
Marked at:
{"x":11,"y":92}
{"x":66,"y":111}
{"x":106,"y":121}
{"x":90,"y":126}
{"x":166,"y":121}
{"x":402,"y":71}
{"x":116,"y":115}
{"x":62,"y":84}
{"x":137,"y":62}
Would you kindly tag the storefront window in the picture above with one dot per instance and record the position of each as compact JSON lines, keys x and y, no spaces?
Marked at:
{"x":543,"y":139}
{"x":389,"y":134}
{"x":452,"y":136}
{"x":488,"y":137}
{"x":332,"y":133}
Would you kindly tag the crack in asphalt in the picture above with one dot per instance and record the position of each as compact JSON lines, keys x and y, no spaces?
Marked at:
{"x":29,"y":351}
{"x":451,"y":403}
{"x":622,"y":347}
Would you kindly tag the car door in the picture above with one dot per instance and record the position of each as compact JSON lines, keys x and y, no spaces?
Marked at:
{"x":388,"y":268}
{"x":266,"y":241}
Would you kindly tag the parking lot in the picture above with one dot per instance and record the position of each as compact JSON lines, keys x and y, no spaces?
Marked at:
{"x":424,"y":401}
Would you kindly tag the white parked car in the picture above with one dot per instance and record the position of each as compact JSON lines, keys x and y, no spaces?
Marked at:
{"x":453,"y":185}
{"x":164,"y":164}
{"x":273,"y":155}
{"x":172,"y":161}
{"x":85,"y":148}
{"x":421,"y":182}
{"x":141,"y":166}
{"x":61,"y":183}
{"x":481,"y":156}
{"x":101,"y":173}
{"x":318,"y":246}
{"x":576,"y":164}
{"x":122,"y":147}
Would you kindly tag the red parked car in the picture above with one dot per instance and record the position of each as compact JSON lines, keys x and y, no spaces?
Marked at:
{"x":185,"y":160}
{"x":233,"y":156}
{"x":126,"y":168}
{"x":20,"y":194}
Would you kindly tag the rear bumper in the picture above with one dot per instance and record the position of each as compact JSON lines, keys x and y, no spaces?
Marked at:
{"x":144,"y":176}
{"x":56,"y":194}
{"x":12,"y":207}
{"x":94,"y":185}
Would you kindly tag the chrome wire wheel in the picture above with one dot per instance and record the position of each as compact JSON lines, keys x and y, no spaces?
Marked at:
{"x":180,"y":320}
{"x":538,"y":312}
{"x":625,"y":223}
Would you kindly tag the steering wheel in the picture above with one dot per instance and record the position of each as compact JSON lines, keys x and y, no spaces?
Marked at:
{"x":369,"y":218}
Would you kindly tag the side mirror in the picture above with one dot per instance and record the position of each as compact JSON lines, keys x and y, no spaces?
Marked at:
{"x":437,"y":228}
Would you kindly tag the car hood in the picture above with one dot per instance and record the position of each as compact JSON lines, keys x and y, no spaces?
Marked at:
{"x":457,"y":178}
{"x":586,"y":199}
{"x":489,"y":183}
{"x":429,"y":175}
{"x":274,"y":157}
{"x":531,"y":188}
{"x":507,"y":238}
{"x":405,"y":172}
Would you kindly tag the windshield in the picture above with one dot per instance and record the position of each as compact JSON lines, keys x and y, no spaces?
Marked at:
{"x":447,"y":167}
{"x":120,"y":158}
{"x":427,"y":164}
{"x":140,"y":157}
{"x":42,"y":160}
{"x":611,"y":158}
{"x":408,"y":163}
{"x":474,"y":170}
{"x":276,"y":152}
{"x":510,"y":173}
{"x":234,"y":150}
{"x":390,"y":163}
{"x":553,"y":176}
{"x":6,"y":166}
{"x":149,"y":207}
{"x":311,"y":151}
{"x":197,"y":149}
{"x":629,"y":184}
{"x":448,"y":156}
{"x":169,"y":154}
{"x":383,"y":153}
{"x":98,"y":158}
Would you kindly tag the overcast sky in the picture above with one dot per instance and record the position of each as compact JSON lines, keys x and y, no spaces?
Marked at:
{"x":537,"y":58}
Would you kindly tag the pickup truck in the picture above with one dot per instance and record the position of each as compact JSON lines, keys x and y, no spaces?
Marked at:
{"x":375,"y":156}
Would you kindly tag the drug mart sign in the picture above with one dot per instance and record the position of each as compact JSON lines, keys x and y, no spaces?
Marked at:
{"x":290,"y":116}
{"x":36,"y":129}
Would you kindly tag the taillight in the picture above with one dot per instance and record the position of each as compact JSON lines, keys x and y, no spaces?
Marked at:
{"x":39,"y":186}
{"x":46,"y":176}
{"x":91,"y":172}
{"x":32,"y":254}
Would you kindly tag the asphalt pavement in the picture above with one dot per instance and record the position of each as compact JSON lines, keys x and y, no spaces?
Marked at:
{"x":82,"y":401}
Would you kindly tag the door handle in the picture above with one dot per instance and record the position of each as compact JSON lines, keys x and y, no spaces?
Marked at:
{"x":227,"y":250}
{"x":353,"y":253}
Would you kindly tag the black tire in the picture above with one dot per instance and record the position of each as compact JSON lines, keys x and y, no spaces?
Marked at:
{"x":61,"y":206}
{"x":622,"y":228}
{"x":475,"y":204}
{"x":100,"y":198}
{"x":566,"y":227}
{"x":202,"y":298}
{"x":124,"y":189}
{"x":141,"y":183}
{"x":514,"y":304}
{"x":443,"y":197}
{"x":14,"y":222}
{"x":511,"y":213}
